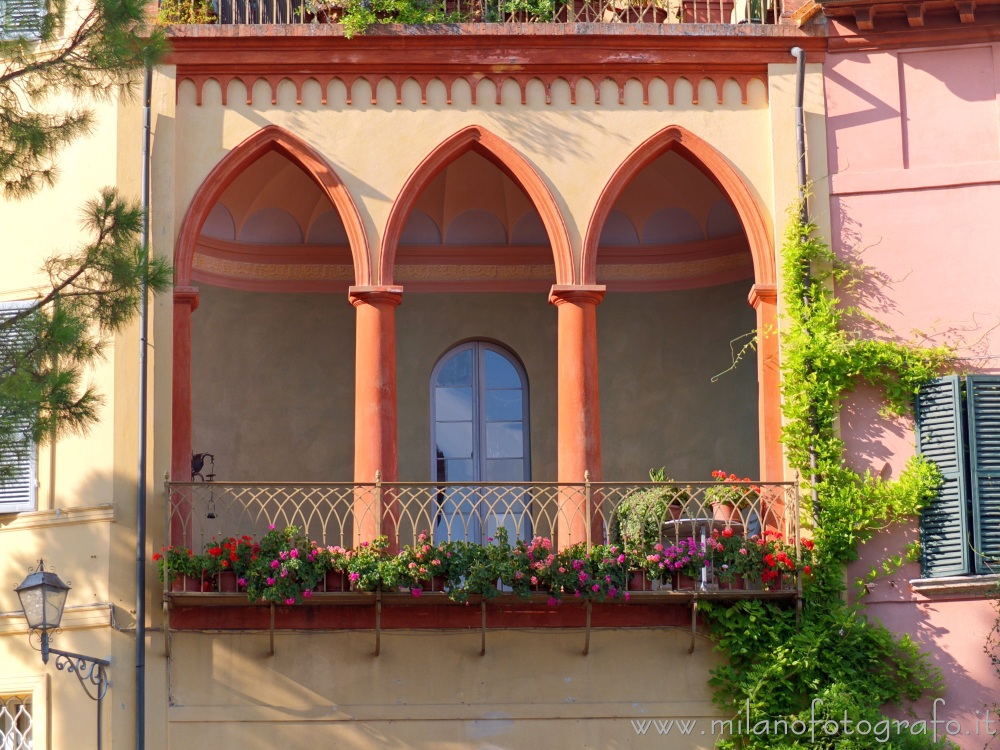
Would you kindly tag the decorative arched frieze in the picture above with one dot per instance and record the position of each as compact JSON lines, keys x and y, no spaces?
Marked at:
{"x":505,"y":158}
{"x":270,"y":138}
{"x":498,"y":79}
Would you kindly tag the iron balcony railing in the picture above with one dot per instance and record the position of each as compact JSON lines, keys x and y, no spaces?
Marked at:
{"x":516,"y":11}
{"x":592,"y":512}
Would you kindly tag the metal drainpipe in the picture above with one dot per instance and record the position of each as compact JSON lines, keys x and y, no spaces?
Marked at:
{"x":800,"y":153}
{"x":140,"y":516}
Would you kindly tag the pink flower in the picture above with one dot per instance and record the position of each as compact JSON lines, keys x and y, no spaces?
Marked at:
{"x":553,"y":601}
{"x":435,"y":562}
{"x":416,"y":591}
{"x":621,"y":559}
{"x":284,"y":573}
{"x":294,"y":553}
{"x":290,"y":600}
{"x":627,"y":596}
{"x":354,"y":577}
{"x":534,"y":580}
{"x":242,"y":581}
{"x":270,"y":581}
{"x":307,"y":593}
{"x":270,"y":527}
{"x":612,"y":592}
{"x":595,"y":588}
{"x":275,"y":563}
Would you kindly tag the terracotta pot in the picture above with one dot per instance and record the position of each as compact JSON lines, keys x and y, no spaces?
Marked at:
{"x":637,"y":581}
{"x":227,"y":582}
{"x":189,"y":583}
{"x":723,"y":512}
{"x":683,"y":582}
{"x":335,"y":580}
{"x":736,"y":584}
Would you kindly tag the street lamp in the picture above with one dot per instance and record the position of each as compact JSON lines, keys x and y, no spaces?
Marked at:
{"x":43,"y":597}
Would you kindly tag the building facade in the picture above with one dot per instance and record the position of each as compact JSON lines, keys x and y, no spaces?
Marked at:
{"x":524,"y":253}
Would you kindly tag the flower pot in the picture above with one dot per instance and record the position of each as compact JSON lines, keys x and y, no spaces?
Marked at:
{"x":684,"y":582}
{"x":735,"y":584}
{"x":637,"y":581}
{"x":335,"y":580}
{"x":438,"y":583}
{"x":227,"y":582}
{"x":723,"y":512}
{"x":189,"y":583}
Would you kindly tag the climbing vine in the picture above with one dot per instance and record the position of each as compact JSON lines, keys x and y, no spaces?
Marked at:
{"x":830,"y":665}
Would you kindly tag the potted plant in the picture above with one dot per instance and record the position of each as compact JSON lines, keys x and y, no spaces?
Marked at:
{"x":638,"y":520}
{"x":182,"y":570}
{"x":286,"y":570}
{"x":370,"y":567}
{"x":426,"y":565}
{"x":730,"y":496}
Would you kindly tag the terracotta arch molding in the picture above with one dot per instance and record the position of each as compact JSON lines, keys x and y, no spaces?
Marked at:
{"x":270,"y":138}
{"x":714,"y":166}
{"x":506,"y":158}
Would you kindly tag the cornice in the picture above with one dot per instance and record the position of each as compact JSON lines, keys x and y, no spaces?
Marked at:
{"x":911,"y":23}
{"x":496,"y":52}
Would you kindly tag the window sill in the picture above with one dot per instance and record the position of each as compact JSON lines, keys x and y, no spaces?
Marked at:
{"x":969,"y":586}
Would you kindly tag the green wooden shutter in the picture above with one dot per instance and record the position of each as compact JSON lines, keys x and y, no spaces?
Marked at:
{"x":944,"y":538}
{"x":983,"y":393}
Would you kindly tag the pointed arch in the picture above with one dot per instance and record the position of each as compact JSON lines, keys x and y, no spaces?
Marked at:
{"x":232,"y":165}
{"x":506,"y":158}
{"x":715,"y":167}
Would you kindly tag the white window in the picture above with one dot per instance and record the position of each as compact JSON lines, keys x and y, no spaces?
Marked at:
{"x":18,"y":490}
{"x":479,"y":433}
{"x":21,"y":19}
{"x":15,"y":722}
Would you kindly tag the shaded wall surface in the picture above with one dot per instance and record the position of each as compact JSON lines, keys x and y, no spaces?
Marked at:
{"x":273,"y":380}
{"x":532,"y":689}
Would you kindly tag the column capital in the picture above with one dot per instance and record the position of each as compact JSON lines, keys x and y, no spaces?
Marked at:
{"x":577,"y":294}
{"x":375,"y":295}
{"x":187,"y":295}
{"x":762,"y":293}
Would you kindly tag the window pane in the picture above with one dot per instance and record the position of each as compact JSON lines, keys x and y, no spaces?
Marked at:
{"x":455,"y":470}
{"x":505,"y":470}
{"x":504,"y":440}
{"x":504,"y":406}
{"x":453,"y":404}
{"x":457,"y":370}
{"x":454,"y":440}
{"x":500,"y":373}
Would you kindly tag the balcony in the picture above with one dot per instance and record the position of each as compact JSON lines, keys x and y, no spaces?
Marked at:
{"x":239,"y":12}
{"x":645,"y":519}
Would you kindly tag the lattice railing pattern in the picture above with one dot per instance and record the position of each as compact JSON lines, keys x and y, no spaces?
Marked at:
{"x":341,"y":514}
{"x":15,"y":723}
{"x":517,"y":11}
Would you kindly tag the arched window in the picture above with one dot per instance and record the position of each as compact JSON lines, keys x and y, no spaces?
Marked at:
{"x":479,"y":433}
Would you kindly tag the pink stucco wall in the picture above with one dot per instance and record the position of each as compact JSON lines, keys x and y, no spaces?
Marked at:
{"x":914,"y":160}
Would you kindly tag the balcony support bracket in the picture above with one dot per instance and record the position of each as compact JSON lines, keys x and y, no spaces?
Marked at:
{"x":166,"y":628}
{"x":586,"y":641}
{"x":482,"y":610}
{"x":378,"y":622}
{"x":694,"y":622}
{"x":271,"y":644}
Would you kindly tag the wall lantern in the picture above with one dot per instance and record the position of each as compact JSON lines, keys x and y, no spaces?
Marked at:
{"x":43,"y":597}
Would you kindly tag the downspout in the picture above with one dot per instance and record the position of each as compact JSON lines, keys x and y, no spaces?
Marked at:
{"x":800,"y":155}
{"x":140,"y":515}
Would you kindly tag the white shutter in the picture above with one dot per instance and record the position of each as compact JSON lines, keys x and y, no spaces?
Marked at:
{"x":18,"y":493}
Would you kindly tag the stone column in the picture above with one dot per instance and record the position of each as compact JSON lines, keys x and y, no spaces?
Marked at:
{"x":375,"y":435}
{"x":579,"y":408}
{"x":185,"y":303}
{"x":764,"y":299}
